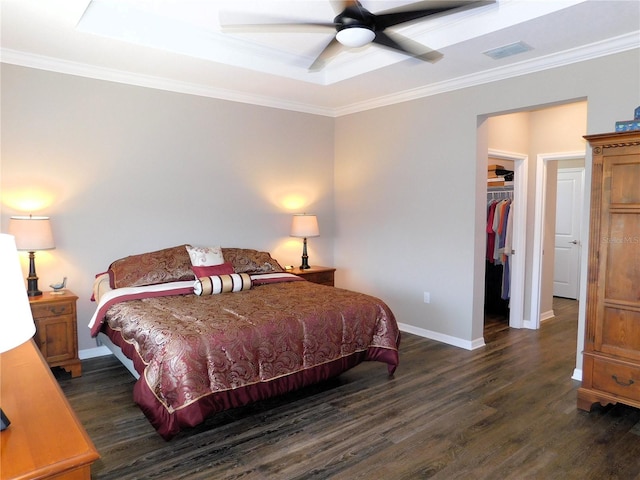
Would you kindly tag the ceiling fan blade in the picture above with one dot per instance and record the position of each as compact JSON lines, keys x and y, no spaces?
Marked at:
{"x":389,"y":18}
{"x":302,"y":27}
{"x":409,"y":47}
{"x":330,"y":51}
{"x":233,"y":21}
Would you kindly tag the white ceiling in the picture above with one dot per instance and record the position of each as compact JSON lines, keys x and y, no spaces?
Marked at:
{"x":180,"y":46}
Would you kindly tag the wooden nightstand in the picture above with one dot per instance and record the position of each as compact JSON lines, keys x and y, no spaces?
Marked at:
{"x":56,"y":330}
{"x":321,"y":275}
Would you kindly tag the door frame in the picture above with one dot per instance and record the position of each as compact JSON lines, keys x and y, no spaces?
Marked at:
{"x":516,"y":301}
{"x":538,"y":228}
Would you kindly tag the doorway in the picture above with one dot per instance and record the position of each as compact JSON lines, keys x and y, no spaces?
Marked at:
{"x":555,"y":128}
{"x":518,"y":163}
{"x":544,"y":233}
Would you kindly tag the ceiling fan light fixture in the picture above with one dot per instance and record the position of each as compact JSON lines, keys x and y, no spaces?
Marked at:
{"x":355,"y":37}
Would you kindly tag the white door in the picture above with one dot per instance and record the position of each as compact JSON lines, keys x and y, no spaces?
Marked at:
{"x":566,"y":271}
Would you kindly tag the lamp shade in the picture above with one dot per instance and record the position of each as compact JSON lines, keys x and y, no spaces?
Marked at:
{"x":31,"y":233}
{"x":304,"y":225}
{"x":16,"y":320}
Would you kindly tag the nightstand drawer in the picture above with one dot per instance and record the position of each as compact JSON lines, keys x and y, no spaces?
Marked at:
{"x":53,"y":310}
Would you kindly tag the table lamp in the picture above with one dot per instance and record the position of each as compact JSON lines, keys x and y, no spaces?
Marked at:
{"x":304,"y":226}
{"x":16,"y":320}
{"x":32,"y":234}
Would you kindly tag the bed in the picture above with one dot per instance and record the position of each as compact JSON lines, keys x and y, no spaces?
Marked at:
{"x":239,"y":330}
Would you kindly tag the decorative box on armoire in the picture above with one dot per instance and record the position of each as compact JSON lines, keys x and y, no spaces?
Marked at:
{"x":611,"y":356}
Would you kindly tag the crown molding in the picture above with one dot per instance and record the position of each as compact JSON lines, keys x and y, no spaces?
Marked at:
{"x":595,"y":50}
{"x":57,"y":65}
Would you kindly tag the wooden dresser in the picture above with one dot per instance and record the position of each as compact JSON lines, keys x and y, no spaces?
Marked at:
{"x":45,"y":438}
{"x":611,"y":366}
{"x":315,"y":274}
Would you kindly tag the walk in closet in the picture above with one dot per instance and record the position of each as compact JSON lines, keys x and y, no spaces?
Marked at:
{"x":499,"y":230}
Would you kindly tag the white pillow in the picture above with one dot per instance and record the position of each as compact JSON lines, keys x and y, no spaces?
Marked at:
{"x":205,"y":256}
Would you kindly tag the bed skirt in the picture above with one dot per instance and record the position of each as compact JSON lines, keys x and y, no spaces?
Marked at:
{"x":170,"y":422}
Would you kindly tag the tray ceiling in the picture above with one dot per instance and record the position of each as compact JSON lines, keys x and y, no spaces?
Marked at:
{"x":181,"y":46}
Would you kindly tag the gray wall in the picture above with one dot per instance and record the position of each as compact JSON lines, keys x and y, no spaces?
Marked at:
{"x":410,"y":198}
{"x":124,"y":170}
{"x":401,"y":210}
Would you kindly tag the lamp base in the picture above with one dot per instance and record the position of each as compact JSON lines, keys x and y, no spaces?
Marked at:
{"x":32,"y":279}
{"x":305,"y":257}
{"x":32,"y":287}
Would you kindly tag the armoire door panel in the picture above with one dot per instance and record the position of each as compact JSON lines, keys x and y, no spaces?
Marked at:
{"x":625,"y":178}
{"x":620,"y":333}
{"x":623,"y":257}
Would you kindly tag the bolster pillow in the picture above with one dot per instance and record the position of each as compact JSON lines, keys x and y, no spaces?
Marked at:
{"x":234,"y":282}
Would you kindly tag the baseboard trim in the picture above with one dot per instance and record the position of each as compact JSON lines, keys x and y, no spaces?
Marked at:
{"x":441,"y":337}
{"x":577,"y":374}
{"x":100,"y":351}
{"x":547,"y":315}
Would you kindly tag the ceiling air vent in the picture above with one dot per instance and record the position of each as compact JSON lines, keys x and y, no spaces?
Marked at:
{"x":508,"y":50}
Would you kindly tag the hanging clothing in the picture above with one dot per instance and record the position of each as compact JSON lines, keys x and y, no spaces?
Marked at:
{"x":497,"y":219}
{"x":499,"y":230}
{"x":491,"y":234}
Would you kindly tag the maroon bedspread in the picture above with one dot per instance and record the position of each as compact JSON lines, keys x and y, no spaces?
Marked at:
{"x":203,"y":354}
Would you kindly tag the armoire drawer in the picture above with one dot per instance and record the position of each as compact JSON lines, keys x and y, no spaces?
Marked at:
{"x":617,"y":378}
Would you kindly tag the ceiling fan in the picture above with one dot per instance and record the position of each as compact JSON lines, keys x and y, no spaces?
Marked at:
{"x":355,"y":26}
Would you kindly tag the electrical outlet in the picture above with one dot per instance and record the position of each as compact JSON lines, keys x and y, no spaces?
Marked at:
{"x":427,"y":297}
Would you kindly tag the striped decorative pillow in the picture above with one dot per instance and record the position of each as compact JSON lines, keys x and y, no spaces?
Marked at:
{"x":234,"y":282}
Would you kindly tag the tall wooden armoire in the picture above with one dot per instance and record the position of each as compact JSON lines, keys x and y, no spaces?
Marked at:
{"x":611,"y":356}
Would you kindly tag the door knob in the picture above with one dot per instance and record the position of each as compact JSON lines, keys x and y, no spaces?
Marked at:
{"x":575,"y":242}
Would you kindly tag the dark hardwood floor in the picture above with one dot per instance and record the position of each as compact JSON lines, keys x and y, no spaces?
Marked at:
{"x":505,"y":411}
